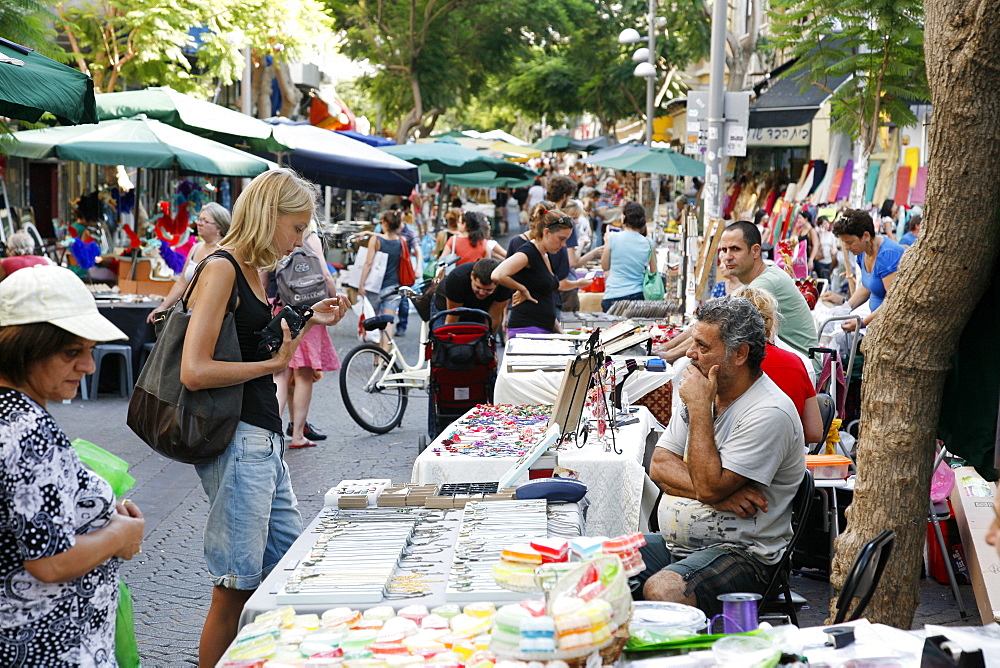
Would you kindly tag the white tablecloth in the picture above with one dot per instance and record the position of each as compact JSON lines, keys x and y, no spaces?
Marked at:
{"x":617,"y":489}
{"x":542,"y":387}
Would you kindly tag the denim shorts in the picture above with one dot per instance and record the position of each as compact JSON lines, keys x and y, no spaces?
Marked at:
{"x":386,"y":301}
{"x":708,"y":572}
{"x":252,"y":519}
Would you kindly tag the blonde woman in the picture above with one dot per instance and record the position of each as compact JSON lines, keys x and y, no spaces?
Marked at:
{"x":213,"y":224}
{"x":252,"y":519}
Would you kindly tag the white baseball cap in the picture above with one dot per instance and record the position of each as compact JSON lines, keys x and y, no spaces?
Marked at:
{"x":47,"y":293}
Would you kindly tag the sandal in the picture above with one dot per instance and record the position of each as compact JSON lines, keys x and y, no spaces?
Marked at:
{"x":304,"y":444}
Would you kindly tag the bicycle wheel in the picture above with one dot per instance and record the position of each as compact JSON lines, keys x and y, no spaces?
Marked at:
{"x":375,"y":409}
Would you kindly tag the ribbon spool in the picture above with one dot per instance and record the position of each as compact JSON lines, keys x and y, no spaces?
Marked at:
{"x":739,"y":612}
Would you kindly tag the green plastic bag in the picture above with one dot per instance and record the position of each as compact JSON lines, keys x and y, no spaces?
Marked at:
{"x":652,"y":282}
{"x":111,"y":467}
{"x":126,"y":647}
{"x":114,"y":469}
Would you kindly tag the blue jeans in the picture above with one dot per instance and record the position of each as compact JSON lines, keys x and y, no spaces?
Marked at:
{"x":253,"y":518}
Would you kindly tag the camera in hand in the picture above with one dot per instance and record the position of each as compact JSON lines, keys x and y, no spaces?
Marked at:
{"x":272,"y":336}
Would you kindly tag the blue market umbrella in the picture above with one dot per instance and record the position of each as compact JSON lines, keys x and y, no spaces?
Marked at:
{"x":371,"y":140}
{"x":333,"y":159}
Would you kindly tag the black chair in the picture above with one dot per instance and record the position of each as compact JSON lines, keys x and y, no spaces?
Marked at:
{"x":864,"y":576}
{"x":778,"y":597}
{"x":827,"y":412}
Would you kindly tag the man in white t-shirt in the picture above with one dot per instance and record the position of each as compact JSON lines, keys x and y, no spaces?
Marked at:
{"x":729,"y":465}
{"x":536,"y":194}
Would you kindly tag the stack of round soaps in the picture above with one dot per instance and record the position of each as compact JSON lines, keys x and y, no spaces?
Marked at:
{"x":516,"y":569}
{"x":575,"y":627}
{"x":626,"y":548}
{"x":582,"y":625}
{"x":445,"y":637}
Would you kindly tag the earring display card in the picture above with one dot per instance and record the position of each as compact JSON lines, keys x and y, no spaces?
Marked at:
{"x":486,"y":528}
{"x":351,"y":561}
{"x":573,"y":393}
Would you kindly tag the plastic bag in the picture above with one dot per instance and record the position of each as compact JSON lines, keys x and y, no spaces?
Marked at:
{"x":364,"y":309}
{"x":126,"y":647}
{"x":111,"y":467}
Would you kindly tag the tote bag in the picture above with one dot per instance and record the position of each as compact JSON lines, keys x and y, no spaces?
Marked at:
{"x":373,"y":283}
{"x":190,"y":426}
{"x":652,"y":281}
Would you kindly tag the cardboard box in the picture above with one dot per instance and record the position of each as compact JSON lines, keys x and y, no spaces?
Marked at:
{"x":143,"y":283}
{"x":972,"y":500}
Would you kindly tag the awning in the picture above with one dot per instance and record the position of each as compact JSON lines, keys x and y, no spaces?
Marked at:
{"x":784,"y":104}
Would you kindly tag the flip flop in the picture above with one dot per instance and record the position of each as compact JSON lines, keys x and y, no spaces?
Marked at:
{"x":306,"y":444}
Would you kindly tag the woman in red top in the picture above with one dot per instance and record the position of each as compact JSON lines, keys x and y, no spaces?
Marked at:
{"x":786,"y":368}
{"x":472,"y":243}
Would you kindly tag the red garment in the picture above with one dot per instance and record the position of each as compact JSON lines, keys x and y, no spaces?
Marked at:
{"x":465,"y":250}
{"x":789,"y":373}
{"x":15,"y":262}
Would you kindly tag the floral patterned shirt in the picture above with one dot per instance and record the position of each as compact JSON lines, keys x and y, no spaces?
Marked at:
{"x":47,"y":498}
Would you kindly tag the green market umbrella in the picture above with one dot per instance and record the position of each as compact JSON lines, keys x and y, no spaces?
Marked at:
{"x":487,"y":179}
{"x":192,"y":115}
{"x":31,"y":84}
{"x":552,"y":144}
{"x":448,"y":159}
{"x":135,"y":142}
{"x":655,"y":161}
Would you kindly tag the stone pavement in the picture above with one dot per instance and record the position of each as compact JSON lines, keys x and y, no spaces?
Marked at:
{"x":168,"y":579}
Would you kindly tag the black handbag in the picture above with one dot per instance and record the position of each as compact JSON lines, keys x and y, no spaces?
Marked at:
{"x":184,"y":425}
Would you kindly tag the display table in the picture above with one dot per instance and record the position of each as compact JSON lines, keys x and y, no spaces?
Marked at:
{"x":542,"y":386}
{"x":435,"y":558}
{"x":619,"y":491}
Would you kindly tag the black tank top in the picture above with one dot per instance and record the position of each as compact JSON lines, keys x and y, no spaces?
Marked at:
{"x":542,"y":284}
{"x":260,"y":401}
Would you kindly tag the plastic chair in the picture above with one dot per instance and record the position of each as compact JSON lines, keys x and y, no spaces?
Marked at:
{"x":864,"y":576}
{"x":778,"y":596}
{"x":125,"y":382}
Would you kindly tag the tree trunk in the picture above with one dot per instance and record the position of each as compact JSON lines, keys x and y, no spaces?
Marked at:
{"x":415,"y":115}
{"x":290,"y":94}
{"x":262,"y":78}
{"x":940,"y":280}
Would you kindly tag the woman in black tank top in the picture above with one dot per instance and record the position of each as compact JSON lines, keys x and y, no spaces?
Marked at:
{"x":252,"y":520}
{"x":528,"y":272}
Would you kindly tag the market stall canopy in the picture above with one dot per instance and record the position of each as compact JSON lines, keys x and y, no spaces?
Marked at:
{"x":371,"y":140}
{"x":514,"y":149}
{"x":190,"y":114}
{"x":552,"y":144}
{"x":591,"y":145}
{"x":785,"y":104}
{"x":447,"y":159}
{"x":135,"y":142}
{"x":31,"y":84}
{"x":487,"y":179}
{"x":332,"y":159}
{"x":655,"y":161}
{"x":615,"y":151}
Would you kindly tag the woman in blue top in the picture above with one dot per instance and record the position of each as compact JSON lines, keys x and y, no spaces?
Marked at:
{"x":878,"y":256}
{"x":625,"y":258}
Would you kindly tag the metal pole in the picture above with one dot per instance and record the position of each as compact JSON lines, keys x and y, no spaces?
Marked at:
{"x":651,"y":81}
{"x":716,"y":121}
{"x":247,"y":82}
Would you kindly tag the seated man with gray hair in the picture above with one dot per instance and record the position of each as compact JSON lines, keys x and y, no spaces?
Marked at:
{"x":729,"y":465}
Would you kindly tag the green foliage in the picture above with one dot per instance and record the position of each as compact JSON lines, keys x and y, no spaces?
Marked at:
{"x":28,"y":22}
{"x":147,"y":42}
{"x":878,"y":43}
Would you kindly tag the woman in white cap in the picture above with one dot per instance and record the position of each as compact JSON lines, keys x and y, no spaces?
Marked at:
{"x":62,"y":534}
{"x":253,"y":518}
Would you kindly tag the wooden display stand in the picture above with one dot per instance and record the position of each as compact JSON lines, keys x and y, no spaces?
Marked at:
{"x":590,"y":302}
{"x":142,"y":283}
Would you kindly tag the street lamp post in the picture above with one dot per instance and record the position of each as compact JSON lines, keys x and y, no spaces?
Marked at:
{"x":646,"y":68}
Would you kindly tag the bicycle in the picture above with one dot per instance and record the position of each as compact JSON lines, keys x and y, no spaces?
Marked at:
{"x":374,"y":383}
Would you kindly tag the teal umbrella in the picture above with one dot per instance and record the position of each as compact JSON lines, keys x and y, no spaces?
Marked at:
{"x":135,"y":142}
{"x":655,"y":161}
{"x":552,"y":144}
{"x":448,"y":159}
{"x":31,"y":84}
{"x":190,"y":114}
{"x":487,"y":179}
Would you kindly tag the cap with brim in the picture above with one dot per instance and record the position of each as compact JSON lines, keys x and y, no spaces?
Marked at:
{"x":54,"y":295}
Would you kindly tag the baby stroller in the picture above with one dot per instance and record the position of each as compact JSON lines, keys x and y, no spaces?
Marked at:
{"x":463,"y":362}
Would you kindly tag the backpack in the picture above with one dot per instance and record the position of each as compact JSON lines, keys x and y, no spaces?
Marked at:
{"x":300,"y":278}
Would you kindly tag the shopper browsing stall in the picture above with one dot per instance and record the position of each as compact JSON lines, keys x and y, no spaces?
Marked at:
{"x":626,"y":257}
{"x":472,"y":286}
{"x":252,"y":518}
